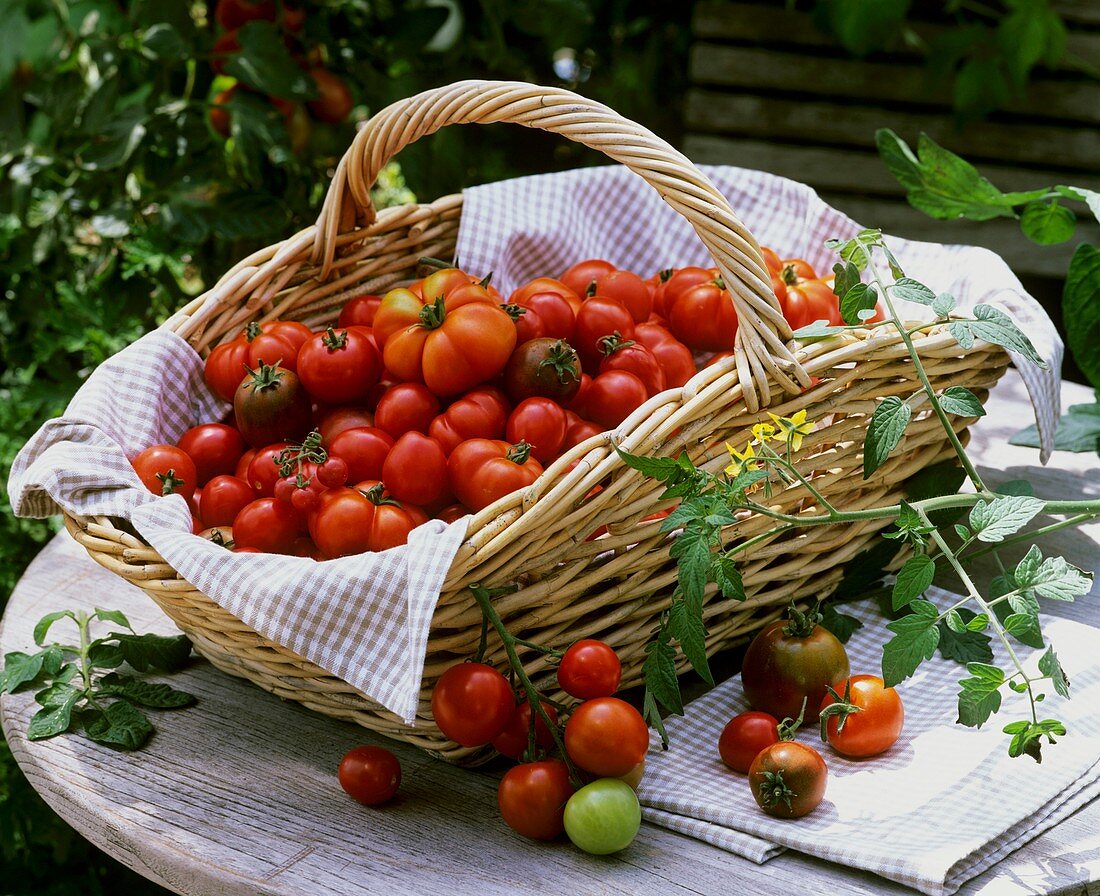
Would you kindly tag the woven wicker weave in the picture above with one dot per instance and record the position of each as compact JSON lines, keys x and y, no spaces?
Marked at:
{"x":615,"y":586}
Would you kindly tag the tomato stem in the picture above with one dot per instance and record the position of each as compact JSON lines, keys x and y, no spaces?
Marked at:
{"x":563,"y":358}
{"x":608,"y":345}
{"x":433,"y":315}
{"x":334,"y":341}
{"x":169,"y":482}
{"x":519,"y":452}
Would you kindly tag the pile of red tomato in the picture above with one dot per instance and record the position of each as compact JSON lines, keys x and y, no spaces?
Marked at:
{"x":799,"y":669}
{"x":438,"y":399}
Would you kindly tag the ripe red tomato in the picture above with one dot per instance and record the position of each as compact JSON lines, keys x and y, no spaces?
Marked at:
{"x":612,"y":397}
{"x":359,"y":311}
{"x":528,"y":323}
{"x":676,"y":360}
{"x":541,"y":423}
{"x":788,"y":779}
{"x":683,"y":280}
{"x":532,"y":798}
{"x":241,"y":470}
{"x":226,"y":367}
{"x":406,"y":407}
{"x":276,"y":348}
{"x":872,"y":727}
{"x":544,"y":367}
{"x":263,"y":470}
{"x":214,"y":447}
{"x":810,"y":300}
{"x":269,"y":525}
{"x":333,"y":103}
{"x":166,"y":470}
{"x":772,"y":260}
{"x":797,"y":269}
{"x":232,"y":14}
{"x":471,"y":703}
{"x":791,"y":661}
{"x":451,"y":513}
{"x":415,"y":471}
{"x":223,"y":498}
{"x":659,"y":283}
{"x":580,"y":431}
{"x":581,"y":276}
{"x":600,"y":317}
{"x":370,"y":775}
{"x":744,"y":736}
{"x":270,"y":405}
{"x":704,"y":318}
{"x":479,"y":414}
{"x":606,"y":736}
{"x":590,"y":669}
{"x":364,"y":518}
{"x":541,"y":286}
{"x":635,"y":358}
{"x":630,"y":289}
{"x":556,"y":307}
{"x":339,"y":366}
{"x":482,"y":471}
{"x":364,"y":450}
{"x":514,"y":739}
{"x":338,"y":420}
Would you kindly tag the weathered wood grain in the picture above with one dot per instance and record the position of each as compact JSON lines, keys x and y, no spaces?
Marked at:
{"x":238,"y":795}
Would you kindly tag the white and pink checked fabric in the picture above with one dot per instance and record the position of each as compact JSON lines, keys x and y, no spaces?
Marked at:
{"x":941,"y":806}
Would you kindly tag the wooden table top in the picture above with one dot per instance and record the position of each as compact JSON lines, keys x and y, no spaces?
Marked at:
{"x":238,"y":795}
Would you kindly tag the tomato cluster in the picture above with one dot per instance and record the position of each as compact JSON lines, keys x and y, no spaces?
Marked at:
{"x":587,"y":789}
{"x":438,"y":398}
{"x":333,"y":102}
{"x":791,"y":668}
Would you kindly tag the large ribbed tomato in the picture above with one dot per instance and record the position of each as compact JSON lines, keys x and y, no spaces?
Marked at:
{"x":675,"y":358}
{"x":480,"y":414}
{"x":484,"y":470}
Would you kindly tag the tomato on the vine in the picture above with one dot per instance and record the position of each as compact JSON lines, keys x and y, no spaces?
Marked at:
{"x":370,"y":775}
{"x":532,"y":798}
{"x":339,"y":366}
{"x":471,"y":703}
{"x":788,"y":779}
{"x":353,"y":520}
{"x":270,"y":405}
{"x":540,"y":423}
{"x":544,"y":367}
{"x":415,"y":470}
{"x":744,"y":736}
{"x":482,"y":471}
{"x":214,"y":447}
{"x":166,"y":470}
{"x":514,"y":739}
{"x":588,"y":669}
{"x":263,"y":470}
{"x":791,"y":661}
{"x":603,"y":817}
{"x":866,"y":719}
{"x":606,"y":736}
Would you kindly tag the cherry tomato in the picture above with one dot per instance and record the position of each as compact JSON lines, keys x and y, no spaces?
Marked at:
{"x":415,"y":470}
{"x":482,"y":471}
{"x":556,"y":307}
{"x":263,"y":469}
{"x":543,"y":367}
{"x":339,"y":366}
{"x":276,"y":343}
{"x":676,"y":360}
{"x":542,"y":285}
{"x":528,"y":323}
{"x":406,"y":407}
{"x":334,"y":472}
{"x":339,"y":420}
{"x":532,"y":798}
{"x":580,"y":431}
{"x":214,"y":447}
{"x":479,"y":414}
{"x":875,"y":723}
{"x":270,"y":404}
{"x":635,"y":358}
{"x":166,"y":470}
{"x":603,"y":817}
{"x":471,"y":703}
{"x":589,"y":669}
{"x":267,"y":524}
{"x":541,"y":423}
{"x":359,"y":311}
{"x":612,"y":397}
{"x":791,"y":661}
{"x":581,"y":277}
{"x":452,"y":513}
{"x":600,"y":317}
{"x":363,"y":449}
{"x":630,"y":289}
{"x":365,"y":518}
{"x":514,"y":739}
{"x":241,"y":470}
{"x":704,"y":318}
{"x":226,"y":367}
{"x":788,"y":779}
{"x":370,"y":775}
{"x":606,"y":736}
{"x":683,"y":280}
{"x":223,"y":498}
{"x":659,"y":282}
{"x":334,"y":102}
{"x":744,"y":736}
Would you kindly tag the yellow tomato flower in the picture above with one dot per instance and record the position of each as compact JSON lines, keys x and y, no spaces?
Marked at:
{"x":763,"y":432}
{"x":741,"y":461}
{"x":793,"y":428}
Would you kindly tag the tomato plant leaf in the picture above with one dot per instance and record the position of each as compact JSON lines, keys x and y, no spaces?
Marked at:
{"x":1052,"y":578}
{"x":980,"y":694}
{"x":913,"y":291}
{"x":1078,"y":430}
{"x":144,"y":693}
{"x":816,"y":331}
{"x":1081,"y":304}
{"x":962,"y":402}
{"x":651,"y":712}
{"x":157,"y":652}
{"x":115,"y":616}
{"x":966,"y":645}
{"x":1047,"y":223}
{"x":943,"y":304}
{"x":120,"y":725}
{"x":884,"y":432}
{"x":1024,"y":627}
{"x":1050,"y":667}
{"x":43,"y":626}
{"x":264,"y":63}
{"x":995,"y":520}
{"x":55,"y":717}
{"x":22,"y":669}
{"x":692,"y":553}
{"x":996,"y":327}
{"x":659,"y":673}
{"x":842,"y":625}
{"x":727,"y":576}
{"x":909,"y":527}
{"x":913,"y":580}
{"x":685,"y":624}
{"x":916,"y":637}
{"x":861,"y":297}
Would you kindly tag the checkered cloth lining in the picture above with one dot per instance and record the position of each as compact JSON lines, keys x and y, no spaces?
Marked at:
{"x":365,"y":619}
{"x":532,"y":226}
{"x":942,"y":805}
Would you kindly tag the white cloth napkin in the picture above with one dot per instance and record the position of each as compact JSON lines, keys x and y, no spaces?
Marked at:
{"x":942,"y":805}
{"x":363,"y":618}
{"x":531,"y":226}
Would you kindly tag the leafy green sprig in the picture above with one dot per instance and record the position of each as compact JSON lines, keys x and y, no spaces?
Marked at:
{"x":78,"y":693}
{"x":1008,"y":609}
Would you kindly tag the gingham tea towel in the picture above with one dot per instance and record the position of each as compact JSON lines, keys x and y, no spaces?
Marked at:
{"x":533,"y":226}
{"x":942,"y":805}
{"x":363,"y":618}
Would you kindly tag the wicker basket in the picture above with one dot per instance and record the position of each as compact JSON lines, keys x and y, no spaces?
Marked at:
{"x":615,"y":586}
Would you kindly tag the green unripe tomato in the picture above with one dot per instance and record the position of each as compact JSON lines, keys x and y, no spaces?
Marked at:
{"x":603,"y":817}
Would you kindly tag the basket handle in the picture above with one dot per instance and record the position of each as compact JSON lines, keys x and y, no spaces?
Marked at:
{"x":762,"y":330}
